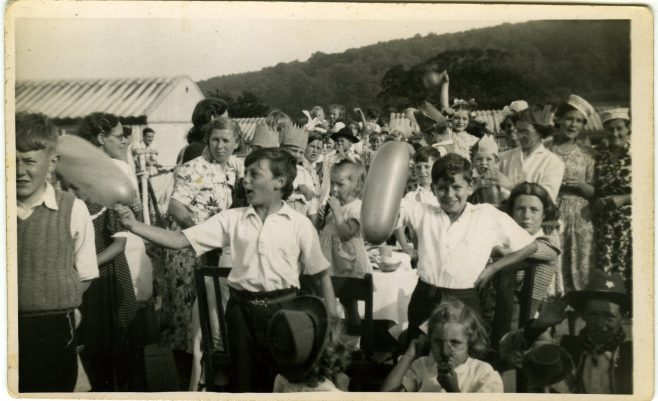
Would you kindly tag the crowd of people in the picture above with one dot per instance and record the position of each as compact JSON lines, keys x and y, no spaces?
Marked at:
{"x":507,"y":245}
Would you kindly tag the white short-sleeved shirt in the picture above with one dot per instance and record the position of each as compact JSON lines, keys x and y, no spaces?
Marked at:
{"x":452,"y":255}
{"x":267,"y":255}
{"x":542,"y":167}
{"x":422,"y":195}
{"x":82,"y":231}
{"x":473,"y":376}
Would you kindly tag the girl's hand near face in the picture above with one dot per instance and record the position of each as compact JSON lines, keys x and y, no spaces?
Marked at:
{"x":335,"y":206}
{"x":448,"y":380}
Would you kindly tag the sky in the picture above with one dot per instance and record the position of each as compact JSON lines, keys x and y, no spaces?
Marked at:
{"x":54,"y":48}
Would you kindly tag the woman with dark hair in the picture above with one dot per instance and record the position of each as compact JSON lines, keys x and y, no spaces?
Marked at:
{"x":576,"y":222}
{"x":612,"y":208}
{"x":531,"y":161}
{"x":107,"y":330}
{"x":537,"y":276}
{"x":204,"y":112}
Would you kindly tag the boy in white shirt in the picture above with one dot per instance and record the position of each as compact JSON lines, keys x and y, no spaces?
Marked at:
{"x":455,"y":241}
{"x":271,"y":244}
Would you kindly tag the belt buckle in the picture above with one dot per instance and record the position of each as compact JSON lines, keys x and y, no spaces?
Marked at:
{"x":259,"y":302}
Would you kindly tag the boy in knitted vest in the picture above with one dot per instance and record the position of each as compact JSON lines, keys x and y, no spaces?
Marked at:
{"x":56,"y":261}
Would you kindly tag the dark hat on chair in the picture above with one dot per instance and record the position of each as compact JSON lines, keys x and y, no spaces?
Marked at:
{"x":297,"y":336}
{"x":608,"y":286}
{"x":345,"y":132}
{"x":547,"y":364}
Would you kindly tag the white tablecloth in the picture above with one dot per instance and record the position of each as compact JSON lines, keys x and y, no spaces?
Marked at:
{"x":393,"y":291}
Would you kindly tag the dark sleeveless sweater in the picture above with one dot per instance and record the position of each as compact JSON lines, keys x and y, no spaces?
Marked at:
{"x":47,"y":278}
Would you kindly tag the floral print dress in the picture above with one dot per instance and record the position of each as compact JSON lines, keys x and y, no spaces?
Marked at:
{"x":613,"y":237}
{"x":204,"y":186}
{"x":576,"y":231}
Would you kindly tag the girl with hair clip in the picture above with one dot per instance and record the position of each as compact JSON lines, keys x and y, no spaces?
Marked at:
{"x":457,"y":337}
{"x":539,"y":275}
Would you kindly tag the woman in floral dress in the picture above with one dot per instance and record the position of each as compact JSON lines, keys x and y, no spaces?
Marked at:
{"x":576,"y":229}
{"x":202,"y":188}
{"x":612,"y":209}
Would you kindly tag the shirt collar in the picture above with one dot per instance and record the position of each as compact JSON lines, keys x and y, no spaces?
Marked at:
{"x":539,"y":233}
{"x":47,"y":198}
{"x":284,"y":211}
{"x":467,"y":209}
{"x":540,"y":149}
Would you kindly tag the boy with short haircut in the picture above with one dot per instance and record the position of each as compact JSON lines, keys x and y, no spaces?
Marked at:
{"x":424,"y":159}
{"x":271,"y":246}
{"x":56,"y":261}
{"x":455,"y":241}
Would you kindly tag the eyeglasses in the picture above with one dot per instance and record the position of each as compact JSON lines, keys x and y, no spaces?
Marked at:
{"x":120,"y":137}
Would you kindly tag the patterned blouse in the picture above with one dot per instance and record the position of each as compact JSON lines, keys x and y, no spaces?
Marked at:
{"x":205,"y":186}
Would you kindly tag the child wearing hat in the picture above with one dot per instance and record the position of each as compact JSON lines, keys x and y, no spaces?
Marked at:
{"x":271,"y":244}
{"x":485,"y":161}
{"x":343,"y":141}
{"x":298,"y":339}
{"x":304,"y":197}
{"x":602,"y":352}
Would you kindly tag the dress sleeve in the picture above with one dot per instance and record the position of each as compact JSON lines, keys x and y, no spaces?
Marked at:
{"x":547,"y":250}
{"x":183,"y":186}
{"x":488,"y":380}
{"x":413,"y":376}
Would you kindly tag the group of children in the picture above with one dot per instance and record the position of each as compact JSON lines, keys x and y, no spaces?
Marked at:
{"x":295,"y":220}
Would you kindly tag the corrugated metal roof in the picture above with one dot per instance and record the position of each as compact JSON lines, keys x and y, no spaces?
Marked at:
{"x":248,"y":126}
{"x":73,"y":99}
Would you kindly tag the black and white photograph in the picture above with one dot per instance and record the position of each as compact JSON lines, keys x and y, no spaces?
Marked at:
{"x":283,"y":197}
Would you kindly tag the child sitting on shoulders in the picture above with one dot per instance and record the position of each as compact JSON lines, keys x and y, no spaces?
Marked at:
{"x":461,"y":117}
{"x":457,"y":336}
{"x":341,"y":240}
{"x":298,"y":337}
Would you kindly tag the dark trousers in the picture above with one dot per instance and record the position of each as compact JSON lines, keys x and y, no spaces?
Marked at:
{"x":252,"y":367}
{"x":47,"y":359}
{"x":426,"y":297}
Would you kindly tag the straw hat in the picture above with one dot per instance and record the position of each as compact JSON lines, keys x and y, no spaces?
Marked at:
{"x":581,"y":105}
{"x":621,"y":113}
{"x":297,"y":336}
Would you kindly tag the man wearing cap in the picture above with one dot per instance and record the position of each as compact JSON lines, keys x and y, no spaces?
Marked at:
{"x":602,"y":352}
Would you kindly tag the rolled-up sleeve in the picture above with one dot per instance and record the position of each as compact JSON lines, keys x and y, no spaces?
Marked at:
{"x":82,"y":232}
{"x":209,"y":235}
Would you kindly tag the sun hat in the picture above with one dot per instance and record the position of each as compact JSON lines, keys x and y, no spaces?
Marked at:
{"x":345,"y":132}
{"x":297,"y":336}
{"x":546,"y":365}
{"x":621,"y":113}
{"x":608,"y":286}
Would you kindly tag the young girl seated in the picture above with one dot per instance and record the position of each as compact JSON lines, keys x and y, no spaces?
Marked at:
{"x":298,"y":339}
{"x":457,"y":336}
{"x":341,"y":240}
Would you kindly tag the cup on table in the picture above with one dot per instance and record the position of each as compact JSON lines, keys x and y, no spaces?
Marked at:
{"x":386,"y":254}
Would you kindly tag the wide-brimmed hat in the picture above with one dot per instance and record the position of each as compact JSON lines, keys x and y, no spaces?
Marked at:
{"x":345,"y":132}
{"x":621,"y":113}
{"x":546,"y":365}
{"x":427,"y":116}
{"x":608,"y":286}
{"x":297,"y":336}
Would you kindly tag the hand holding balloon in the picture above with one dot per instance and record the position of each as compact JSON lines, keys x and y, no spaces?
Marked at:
{"x":93,"y":172}
{"x":126,"y":215}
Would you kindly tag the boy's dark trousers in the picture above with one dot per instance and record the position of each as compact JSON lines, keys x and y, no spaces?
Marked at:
{"x":426,"y":297}
{"x":247,"y":317}
{"x":47,"y":359}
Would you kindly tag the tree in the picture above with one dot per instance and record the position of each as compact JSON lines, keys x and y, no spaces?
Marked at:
{"x":245,"y":105}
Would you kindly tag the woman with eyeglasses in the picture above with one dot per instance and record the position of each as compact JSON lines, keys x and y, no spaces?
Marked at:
{"x":108,"y":327}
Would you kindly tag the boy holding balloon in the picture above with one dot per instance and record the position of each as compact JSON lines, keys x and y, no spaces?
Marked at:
{"x":271,"y":246}
{"x":455,"y":241}
{"x":56,"y":261}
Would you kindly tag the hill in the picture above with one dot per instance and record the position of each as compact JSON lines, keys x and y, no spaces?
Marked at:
{"x":546,"y":59}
